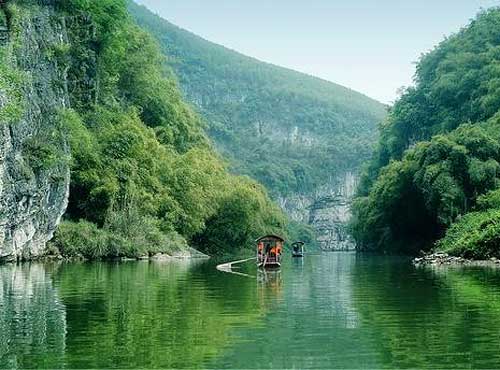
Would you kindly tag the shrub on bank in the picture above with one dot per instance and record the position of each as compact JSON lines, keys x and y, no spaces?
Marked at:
{"x":87,"y":240}
{"x":476,"y":236}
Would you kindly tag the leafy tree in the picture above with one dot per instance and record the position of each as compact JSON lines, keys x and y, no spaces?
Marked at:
{"x":145,"y":178}
{"x":243,"y":213}
{"x":439,"y":149}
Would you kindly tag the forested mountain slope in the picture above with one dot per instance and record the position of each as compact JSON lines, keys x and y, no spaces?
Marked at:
{"x":438,"y":160}
{"x":300,"y":136}
{"x":83,"y":89}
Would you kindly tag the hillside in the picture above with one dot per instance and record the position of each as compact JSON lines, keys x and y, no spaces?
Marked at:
{"x":302,"y":137}
{"x":437,"y":166}
{"x":95,"y":130}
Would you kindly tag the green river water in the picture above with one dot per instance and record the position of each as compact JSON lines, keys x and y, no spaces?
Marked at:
{"x":331,"y":310}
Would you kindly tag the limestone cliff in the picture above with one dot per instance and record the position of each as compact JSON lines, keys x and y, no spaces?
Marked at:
{"x":327,"y":210}
{"x":34,"y":158}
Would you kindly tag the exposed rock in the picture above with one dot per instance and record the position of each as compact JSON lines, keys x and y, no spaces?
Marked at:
{"x":444,"y":259}
{"x":34,"y":190}
{"x":188,"y":253}
{"x":184,"y":253}
{"x":161,"y":257}
{"x":327,"y":210}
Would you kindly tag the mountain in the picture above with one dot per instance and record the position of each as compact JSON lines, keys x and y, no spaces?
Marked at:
{"x":302,"y":137}
{"x":93,"y":128}
{"x":436,"y":172}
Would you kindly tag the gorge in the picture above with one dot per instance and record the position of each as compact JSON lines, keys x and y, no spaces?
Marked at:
{"x":129,"y":147}
{"x":92,"y":132}
{"x":77,"y":98}
{"x":303,"y":138}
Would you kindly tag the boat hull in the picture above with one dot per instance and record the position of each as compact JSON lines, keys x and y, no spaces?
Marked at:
{"x":269,"y":265}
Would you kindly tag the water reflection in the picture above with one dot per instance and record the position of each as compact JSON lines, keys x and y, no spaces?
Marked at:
{"x":32,"y":318}
{"x":428,"y":318}
{"x":308,"y":322}
{"x":168,"y":315}
{"x":150,"y":315}
{"x":269,"y":288}
{"x":338,"y":310}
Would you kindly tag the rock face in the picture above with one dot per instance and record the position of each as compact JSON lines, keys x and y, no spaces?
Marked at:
{"x":444,"y":259}
{"x":327,"y":210}
{"x":34,"y":165}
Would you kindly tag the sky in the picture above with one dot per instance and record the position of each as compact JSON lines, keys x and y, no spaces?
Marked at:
{"x":368,"y":45}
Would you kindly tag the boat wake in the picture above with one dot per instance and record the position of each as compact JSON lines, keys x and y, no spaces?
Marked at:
{"x":228,"y":267}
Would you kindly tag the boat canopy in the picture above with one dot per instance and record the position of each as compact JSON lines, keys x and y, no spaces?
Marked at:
{"x":269,"y":238}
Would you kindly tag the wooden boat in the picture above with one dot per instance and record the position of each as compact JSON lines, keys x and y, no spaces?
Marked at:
{"x":269,"y":251}
{"x":298,"y":249}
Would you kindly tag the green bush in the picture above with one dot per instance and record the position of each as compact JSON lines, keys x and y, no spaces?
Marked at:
{"x":12,"y":82}
{"x":491,"y":200}
{"x":476,"y":235}
{"x":85,"y":239}
{"x":297,"y":231}
{"x":40,"y":154}
{"x":414,"y":201}
{"x":244,"y":213}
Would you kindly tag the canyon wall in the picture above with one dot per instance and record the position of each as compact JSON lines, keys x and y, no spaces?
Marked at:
{"x":327,"y":210}
{"x":34,"y":156}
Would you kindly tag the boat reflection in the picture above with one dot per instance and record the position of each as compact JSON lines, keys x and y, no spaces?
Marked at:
{"x":269,"y":285}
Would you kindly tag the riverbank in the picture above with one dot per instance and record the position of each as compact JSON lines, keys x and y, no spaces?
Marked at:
{"x":180,"y":254}
{"x":186,"y":253}
{"x":439,"y":259}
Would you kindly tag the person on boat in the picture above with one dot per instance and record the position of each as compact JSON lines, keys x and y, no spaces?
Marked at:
{"x":260,"y":248}
{"x":268,"y":249}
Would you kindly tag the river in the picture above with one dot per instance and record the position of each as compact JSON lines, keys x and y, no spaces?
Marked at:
{"x":331,"y":310}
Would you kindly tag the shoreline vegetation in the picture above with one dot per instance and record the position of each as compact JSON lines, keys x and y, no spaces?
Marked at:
{"x":147,"y":181}
{"x":433,"y":183}
{"x":145,"y":178}
{"x":174,"y":255}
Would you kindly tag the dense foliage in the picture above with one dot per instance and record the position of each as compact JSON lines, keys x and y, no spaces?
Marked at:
{"x":439,"y":149}
{"x":477,"y":234}
{"x":144,"y":176}
{"x":283,"y":128}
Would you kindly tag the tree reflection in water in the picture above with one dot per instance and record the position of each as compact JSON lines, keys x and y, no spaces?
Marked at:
{"x":335,"y":310}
